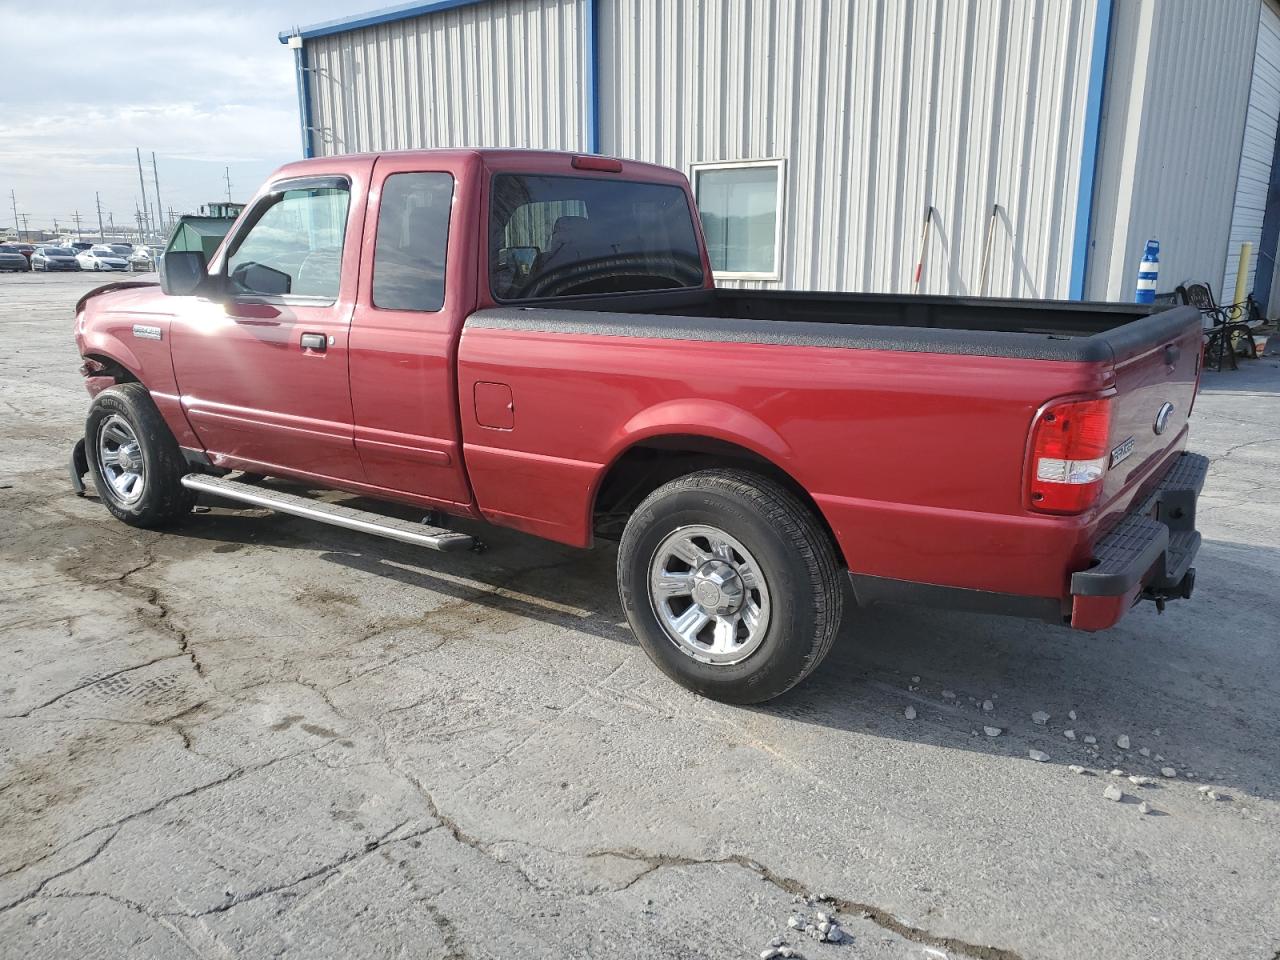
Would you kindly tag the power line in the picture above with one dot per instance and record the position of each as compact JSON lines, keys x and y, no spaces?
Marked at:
{"x":227,"y":175}
{"x":76,"y":218}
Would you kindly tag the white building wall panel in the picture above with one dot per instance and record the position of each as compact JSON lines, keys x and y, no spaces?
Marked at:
{"x":880,"y":109}
{"x":1257,"y":150}
{"x":1177,"y":87}
{"x":508,"y":73}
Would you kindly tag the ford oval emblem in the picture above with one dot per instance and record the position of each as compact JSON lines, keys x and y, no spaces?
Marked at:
{"x":1162,"y":417}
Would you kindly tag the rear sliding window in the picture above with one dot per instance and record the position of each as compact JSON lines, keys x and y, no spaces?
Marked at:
{"x":574,"y":236}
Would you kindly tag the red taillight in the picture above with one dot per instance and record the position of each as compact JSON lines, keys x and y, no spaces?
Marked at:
{"x":607,"y":164}
{"x":1069,"y":445}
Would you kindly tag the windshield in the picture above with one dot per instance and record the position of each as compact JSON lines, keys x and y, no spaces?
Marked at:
{"x":123,"y":249}
{"x":57,"y":252}
{"x":567,"y":236}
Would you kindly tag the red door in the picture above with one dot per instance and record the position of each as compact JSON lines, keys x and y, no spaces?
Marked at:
{"x":404,"y":335}
{"x":262,"y":367}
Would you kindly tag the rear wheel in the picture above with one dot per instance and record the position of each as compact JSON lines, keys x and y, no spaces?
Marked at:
{"x":134,"y":459}
{"x":730,"y":584}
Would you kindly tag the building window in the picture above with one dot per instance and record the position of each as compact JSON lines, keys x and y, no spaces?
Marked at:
{"x":741,"y":208}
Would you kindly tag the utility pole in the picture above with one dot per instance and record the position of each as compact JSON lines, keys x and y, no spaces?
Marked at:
{"x":76,"y":218}
{"x":98,"y":200}
{"x":227,"y":176}
{"x":111,"y":221}
{"x":14,"y":200}
{"x":155,"y":175}
{"x":24,"y":225}
{"x":143,"y":184}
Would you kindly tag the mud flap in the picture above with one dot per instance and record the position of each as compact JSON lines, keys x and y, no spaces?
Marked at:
{"x":79,"y":467}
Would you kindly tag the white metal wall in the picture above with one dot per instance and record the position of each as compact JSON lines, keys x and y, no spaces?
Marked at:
{"x":506,"y":73}
{"x":1173,"y":121}
{"x":879,"y":108}
{"x":1256,"y":152}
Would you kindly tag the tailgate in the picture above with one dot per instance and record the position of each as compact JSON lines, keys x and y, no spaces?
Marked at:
{"x":1155,"y":383}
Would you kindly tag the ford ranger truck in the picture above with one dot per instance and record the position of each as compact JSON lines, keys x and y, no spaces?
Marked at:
{"x":535,"y":340}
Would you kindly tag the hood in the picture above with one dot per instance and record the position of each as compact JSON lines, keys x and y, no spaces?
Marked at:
{"x":144,"y":280}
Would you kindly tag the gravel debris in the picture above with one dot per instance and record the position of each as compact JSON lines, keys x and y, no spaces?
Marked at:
{"x":1215,"y":795}
{"x":1040,"y":718}
{"x":770,"y":953}
{"x":1203,"y":788}
{"x":1076,"y":768}
{"x":1117,"y":772}
{"x":909,"y":713}
{"x":1144,"y":807}
{"x":1071,"y":714}
{"x":1168,"y":772}
{"x":1039,"y":756}
{"x":824,"y":918}
{"x":1122,"y":741}
{"x":1113,"y":793}
{"x":1069,"y":734}
{"x":835,"y":935}
{"x":915,"y":679}
{"x":988,"y":706}
{"x":1144,"y":751}
{"x":777,"y":942}
{"x":788,"y":952}
{"x":1090,"y":738}
{"x":992,"y":731}
{"x":796,"y":921}
{"x":949,"y":694}
{"x":1139,"y":781}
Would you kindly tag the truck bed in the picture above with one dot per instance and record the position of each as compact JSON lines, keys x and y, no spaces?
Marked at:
{"x":1031,"y":329}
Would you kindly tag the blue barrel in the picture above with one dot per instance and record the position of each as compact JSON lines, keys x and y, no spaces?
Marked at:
{"x":1148,"y":271}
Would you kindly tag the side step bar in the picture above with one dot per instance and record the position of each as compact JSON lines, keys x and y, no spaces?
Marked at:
{"x":406,"y":531}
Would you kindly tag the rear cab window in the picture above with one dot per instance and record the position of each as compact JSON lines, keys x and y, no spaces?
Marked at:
{"x":413,"y":236}
{"x":565,"y":236}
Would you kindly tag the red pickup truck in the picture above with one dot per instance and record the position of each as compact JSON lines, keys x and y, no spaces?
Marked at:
{"x":534,"y":339}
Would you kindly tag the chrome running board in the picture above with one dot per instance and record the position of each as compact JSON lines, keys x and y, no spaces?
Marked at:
{"x":393,"y":528}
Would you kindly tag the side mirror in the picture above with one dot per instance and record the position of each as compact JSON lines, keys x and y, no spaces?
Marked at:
{"x":181,"y":272}
{"x":261,"y":280}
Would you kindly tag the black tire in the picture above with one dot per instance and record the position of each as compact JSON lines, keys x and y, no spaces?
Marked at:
{"x":794,"y":555}
{"x":163,"y":498}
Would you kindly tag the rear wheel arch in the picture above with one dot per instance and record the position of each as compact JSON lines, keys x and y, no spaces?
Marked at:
{"x":647,"y":464}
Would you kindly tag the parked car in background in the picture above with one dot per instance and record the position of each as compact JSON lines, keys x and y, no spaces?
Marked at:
{"x":11,"y":259}
{"x":54,"y":258}
{"x":144,"y":259}
{"x":124,"y":249}
{"x":26,"y":249}
{"x":101,"y":258}
{"x":80,"y":245}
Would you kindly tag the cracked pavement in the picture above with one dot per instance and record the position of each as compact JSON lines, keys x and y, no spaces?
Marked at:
{"x":253,"y":735}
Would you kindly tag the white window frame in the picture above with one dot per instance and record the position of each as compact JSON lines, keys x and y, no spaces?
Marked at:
{"x":780,"y":164}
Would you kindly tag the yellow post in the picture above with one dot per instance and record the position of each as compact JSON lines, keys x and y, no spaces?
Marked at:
{"x":1242,"y":272}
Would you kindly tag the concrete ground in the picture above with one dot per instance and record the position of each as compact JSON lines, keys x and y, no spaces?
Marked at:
{"x":254,"y":735}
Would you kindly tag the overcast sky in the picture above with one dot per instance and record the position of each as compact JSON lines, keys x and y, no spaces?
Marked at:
{"x":205,"y":85}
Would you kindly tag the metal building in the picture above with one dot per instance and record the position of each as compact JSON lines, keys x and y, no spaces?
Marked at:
{"x":1044,"y":141}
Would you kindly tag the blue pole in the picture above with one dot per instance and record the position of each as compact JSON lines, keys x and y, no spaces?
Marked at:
{"x":1089,"y":152}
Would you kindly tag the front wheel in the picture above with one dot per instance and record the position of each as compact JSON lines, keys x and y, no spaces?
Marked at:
{"x":134,"y":459}
{"x":730,"y":584}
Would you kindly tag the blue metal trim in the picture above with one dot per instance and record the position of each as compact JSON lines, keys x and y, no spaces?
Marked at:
{"x":403,"y":11}
{"x":1089,"y":153}
{"x":591,"y":58}
{"x":1265,"y":265}
{"x":304,"y":100}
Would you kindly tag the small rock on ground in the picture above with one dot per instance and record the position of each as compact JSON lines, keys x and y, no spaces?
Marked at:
{"x":1117,"y":772}
{"x":992,"y":731}
{"x":909,"y":713}
{"x":1069,"y":734}
{"x":1144,"y":751}
{"x":988,"y":706}
{"x":1144,"y":807}
{"x":1168,"y":772}
{"x":1113,"y":793}
{"x":1122,"y":741}
{"x":1076,"y":768}
{"x":1071,"y":714}
{"x":1040,"y":718}
{"x":1138,"y":781}
{"x":949,"y":694}
{"x":1090,"y":738}
{"x":1038,"y":755}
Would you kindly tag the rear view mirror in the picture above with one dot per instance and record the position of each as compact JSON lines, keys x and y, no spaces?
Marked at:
{"x":519,"y":260}
{"x":181,"y":272}
{"x":258,"y":278}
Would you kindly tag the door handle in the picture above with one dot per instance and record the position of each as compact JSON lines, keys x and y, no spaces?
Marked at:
{"x":314,"y":341}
